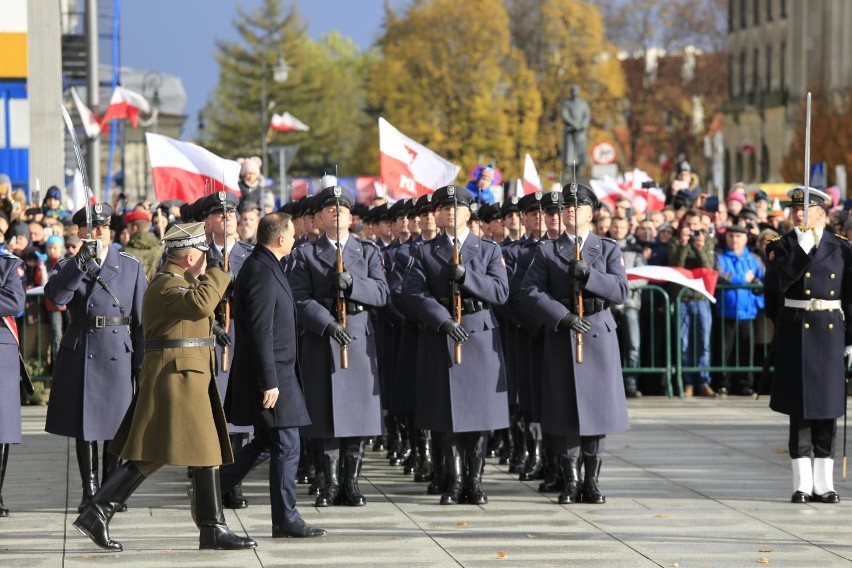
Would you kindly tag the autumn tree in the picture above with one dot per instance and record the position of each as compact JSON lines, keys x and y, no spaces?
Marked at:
{"x":831,"y":136}
{"x":564,"y":42}
{"x":450,"y":78}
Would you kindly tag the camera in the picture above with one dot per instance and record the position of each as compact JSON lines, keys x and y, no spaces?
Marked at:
{"x":649,"y":184}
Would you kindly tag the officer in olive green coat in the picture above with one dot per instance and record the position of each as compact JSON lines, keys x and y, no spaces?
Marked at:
{"x":176,"y":417}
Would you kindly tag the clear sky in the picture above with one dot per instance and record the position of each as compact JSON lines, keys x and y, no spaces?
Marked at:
{"x":178,"y":36}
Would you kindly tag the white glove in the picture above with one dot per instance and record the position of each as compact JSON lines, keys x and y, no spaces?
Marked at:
{"x":806,"y":239}
{"x":847,"y":354}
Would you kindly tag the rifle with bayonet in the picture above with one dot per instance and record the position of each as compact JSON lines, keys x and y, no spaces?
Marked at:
{"x":578,"y":255}
{"x":340,"y":269}
{"x":455,"y":289}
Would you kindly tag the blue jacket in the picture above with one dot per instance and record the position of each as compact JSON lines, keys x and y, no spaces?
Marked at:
{"x":738,"y":303}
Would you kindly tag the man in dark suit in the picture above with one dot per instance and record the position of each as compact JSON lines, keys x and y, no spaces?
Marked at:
{"x":582,"y":401}
{"x":461,"y":401}
{"x":265,"y":390}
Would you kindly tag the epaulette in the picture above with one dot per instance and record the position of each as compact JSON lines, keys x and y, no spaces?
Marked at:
{"x":369,"y":242}
{"x":246,"y":246}
{"x":613,"y":241}
{"x":778,"y":238}
{"x":128,"y":255}
{"x":487,"y":240}
{"x":840,"y":237}
{"x":5,"y":253}
{"x":305,"y":244}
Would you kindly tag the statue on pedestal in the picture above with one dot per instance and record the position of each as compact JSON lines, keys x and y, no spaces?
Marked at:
{"x":577,"y":115}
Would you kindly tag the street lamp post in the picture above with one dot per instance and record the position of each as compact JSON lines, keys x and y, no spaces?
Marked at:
{"x":279,"y":74}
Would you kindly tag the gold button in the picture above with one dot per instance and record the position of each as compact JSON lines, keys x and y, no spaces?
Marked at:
{"x":807,"y":292}
{"x":807,"y":325}
{"x":807,"y":274}
{"x":831,"y":276}
{"x":831,"y":326}
{"x":831,"y":293}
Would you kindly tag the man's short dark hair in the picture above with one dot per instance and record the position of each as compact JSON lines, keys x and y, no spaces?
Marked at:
{"x":271,"y":227}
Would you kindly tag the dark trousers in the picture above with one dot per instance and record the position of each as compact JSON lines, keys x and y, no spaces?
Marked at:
{"x":812,"y":438}
{"x":738,"y":351}
{"x":341,"y":448}
{"x":282,"y":445}
{"x":572,"y":446}
{"x":465,"y":445}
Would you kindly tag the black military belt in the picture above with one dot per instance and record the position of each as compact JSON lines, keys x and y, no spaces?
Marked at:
{"x":591,"y":306}
{"x":469,"y":305}
{"x":99,"y":322}
{"x":158,"y":344}
{"x":352,"y":308}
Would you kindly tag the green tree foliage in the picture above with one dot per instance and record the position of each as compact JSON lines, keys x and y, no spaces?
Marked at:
{"x":324,"y":89}
{"x":450,"y":78}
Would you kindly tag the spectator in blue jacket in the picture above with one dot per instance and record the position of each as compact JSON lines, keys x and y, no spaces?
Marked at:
{"x":738,"y":307}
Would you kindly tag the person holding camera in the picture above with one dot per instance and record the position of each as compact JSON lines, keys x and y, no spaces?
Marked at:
{"x":692,"y":248}
{"x":684,"y":188}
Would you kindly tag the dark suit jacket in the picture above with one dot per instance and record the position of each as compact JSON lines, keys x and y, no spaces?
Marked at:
{"x":265,"y":347}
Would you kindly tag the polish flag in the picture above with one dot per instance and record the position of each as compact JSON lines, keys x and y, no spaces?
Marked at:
{"x":287,"y":123}
{"x":125,"y":104}
{"x":182,"y":170}
{"x":532,"y":181}
{"x":702,"y":280}
{"x":90,"y":121}
{"x":409,"y":169}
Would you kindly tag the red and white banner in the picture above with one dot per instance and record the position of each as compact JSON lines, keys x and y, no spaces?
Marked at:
{"x":409,"y":169}
{"x":702,"y":280}
{"x":185,"y":171}
{"x":630,"y":186}
{"x":532,"y":181}
{"x":90,"y":121}
{"x":125,"y":104}
{"x":287,"y":123}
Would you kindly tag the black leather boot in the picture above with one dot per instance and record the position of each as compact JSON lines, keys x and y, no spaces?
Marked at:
{"x":522,"y":442}
{"x":234,"y":499}
{"x":394,"y":442}
{"x":571,"y":477}
{"x":425,"y":468}
{"x":94,"y":520}
{"x":507,"y":450}
{"x":87,"y":462}
{"x":380,"y":443}
{"x":4,"y":461}
{"x":535,"y":464}
{"x":330,"y":492}
{"x":306,"y":472}
{"x":495,"y":441}
{"x":214,"y":532}
{"x":473,"y":492}
{"x":452,"y":494}
{"x":553,"y":478}
{"x":350,"y":493}
{"x":591,"y":494}
{"x":110,"y":464}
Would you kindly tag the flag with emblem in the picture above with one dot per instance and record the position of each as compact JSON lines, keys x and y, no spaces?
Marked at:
{"x":409,"y":169}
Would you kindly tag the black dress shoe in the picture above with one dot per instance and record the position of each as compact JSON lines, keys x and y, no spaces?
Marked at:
{"x":297,"y":529}
{"x":830,"y":497}
{"x":800,"y":497}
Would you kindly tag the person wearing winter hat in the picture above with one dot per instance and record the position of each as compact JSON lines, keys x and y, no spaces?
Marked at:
{"x":735,"y":202}
{"x":251,"y":183}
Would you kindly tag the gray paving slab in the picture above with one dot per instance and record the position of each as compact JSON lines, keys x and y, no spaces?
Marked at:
{"x":694,"y":483}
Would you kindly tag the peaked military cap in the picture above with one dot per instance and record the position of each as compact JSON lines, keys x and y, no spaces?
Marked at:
{"x":585,"y":195}
{"x":360,"y":210}
{"x":511,"y":204}
{"x":100,"y":215}
{"x":213,"y":203}
{"x":815,"y":196}
{"x":186,"y":235}
{"x":489,"y":212}
{"x":555,"y":200}
{"x":450,"y":194}
{"x":380,"y":213}
{"x":531,"y":201}
{"x":399,"y":209}
{"x":425,"y":203}
{"x":332,"y":195}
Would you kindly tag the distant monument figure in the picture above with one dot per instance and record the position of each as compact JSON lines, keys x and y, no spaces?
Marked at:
{"x":577,"y":115}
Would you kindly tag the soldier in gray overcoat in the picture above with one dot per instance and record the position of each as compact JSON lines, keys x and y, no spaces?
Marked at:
{"x":12,"y":299}
{"x":344,"y":404}
{"x":101,"y":351}
{"x":582,"y":402}
{"x":462,"y":401}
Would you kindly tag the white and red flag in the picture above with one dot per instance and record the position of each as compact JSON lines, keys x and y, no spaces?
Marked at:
{"x":185,"y":171}
{"x":532,"y":181}
{"x":91,"y":123}
{"x":644,"y":199}
{"x":125,"y":104}
{"x":702,"y":280}
{"x":287,"y":123}
{"x":409,"y":169}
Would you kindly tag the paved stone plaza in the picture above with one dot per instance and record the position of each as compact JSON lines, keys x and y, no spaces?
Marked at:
{"x":695,"y":483}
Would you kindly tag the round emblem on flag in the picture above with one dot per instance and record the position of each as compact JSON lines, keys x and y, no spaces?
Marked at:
{"x":451,"y":190}
{"x":338,"y":191}
{"x":99,"y":208}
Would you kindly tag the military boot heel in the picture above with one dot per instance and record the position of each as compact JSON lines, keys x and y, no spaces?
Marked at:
{"x":453,"y":493}
{"x":474,"y":492}
{"x":330,"y":491}
{"x":94,"y":520}
{"x":571,"y":478}
{"x":591,"y":493}
{"x":351,"y":495}
{"x":214,"y":533}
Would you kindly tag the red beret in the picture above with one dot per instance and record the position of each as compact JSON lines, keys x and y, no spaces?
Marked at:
{"x":131,"y":216}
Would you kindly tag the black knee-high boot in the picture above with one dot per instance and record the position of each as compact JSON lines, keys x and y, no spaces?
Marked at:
{"x":4,"y":460}
{"x":110,"y":463}
{"x":234,"y":498}
{"x":94,"y":520}
{"x":425,"y":468}
{"x":87,"y":462}
{"x":215,"y":534}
